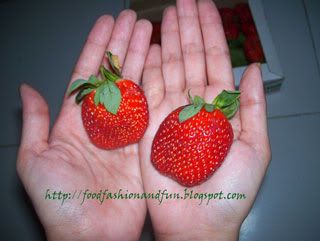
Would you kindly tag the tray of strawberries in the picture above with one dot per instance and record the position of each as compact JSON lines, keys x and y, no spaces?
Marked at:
{"x":241,"y":34}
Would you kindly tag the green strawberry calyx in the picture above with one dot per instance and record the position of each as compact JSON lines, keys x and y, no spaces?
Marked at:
{"x":106,"y":91}
{"x":227,"y":102}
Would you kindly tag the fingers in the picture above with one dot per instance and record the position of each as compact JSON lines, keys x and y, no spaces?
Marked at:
{"x":219,"y":69}
{"x":172,"y":60}
{"x":126,"y":34}
{"x":35,"y":129}
{"x":94,"y":49}
{"x":152,"y":80}
{"x":137,"y":51}
{"x":191,"y":43}
{"x":92,"y":53}
{"x":253,"y":111}
{"x":121,"y":34}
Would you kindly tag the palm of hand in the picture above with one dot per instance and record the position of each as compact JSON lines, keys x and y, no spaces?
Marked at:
{"x":67,"y":161}
{"x":240,"y":173}
{"x":181,"y":68}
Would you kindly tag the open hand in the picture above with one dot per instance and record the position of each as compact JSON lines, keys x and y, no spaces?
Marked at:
{"x":65,"y":159}
{"x":194,"y":55}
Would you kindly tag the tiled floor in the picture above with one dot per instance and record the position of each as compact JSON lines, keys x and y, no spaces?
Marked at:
{"x":291,"y":35}
{"x":287,"y":205}
{"x":312,"y":9}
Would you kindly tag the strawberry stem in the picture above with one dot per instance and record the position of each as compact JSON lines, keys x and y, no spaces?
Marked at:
{"x":115,"y":63}
{"x":107,"y":75}
{"x":191,"y":110}
{"x":102,"y":73}
{"x":227,"y":102}
{"x":106,"y":91}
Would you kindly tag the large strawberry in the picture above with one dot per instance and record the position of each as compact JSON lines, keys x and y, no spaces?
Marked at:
{"x":193,"y":140}
{"x":114,"y":110}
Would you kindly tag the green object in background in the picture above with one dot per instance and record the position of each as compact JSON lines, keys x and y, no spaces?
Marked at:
{"x":237,"y":54}
{"x":238,"y":57}
{"x":233,"y":44}
{"x":237,"y":43}
{"x":241,"y":38}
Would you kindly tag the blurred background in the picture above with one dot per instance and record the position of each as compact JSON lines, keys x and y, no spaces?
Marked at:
{"x":40,"y":42}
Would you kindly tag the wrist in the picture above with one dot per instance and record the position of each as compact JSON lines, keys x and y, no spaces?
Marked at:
{"x":54,"y":236}
{"x":69,"y":233}
{"x":226,"y":234}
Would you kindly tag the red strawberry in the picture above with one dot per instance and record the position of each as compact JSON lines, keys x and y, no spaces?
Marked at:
{"x":231,"y":31}
{"x":156,"y":33}
{"x":244,"y":13}
{"x":114,"y":110}
{"x":249,"y":29}
{"x":253,"y":49}
{"x":193,"y":140}
{"x":227,"y":15}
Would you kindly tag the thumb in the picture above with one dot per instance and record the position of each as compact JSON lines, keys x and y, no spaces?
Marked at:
{"x":253,"y":112}
{"x":35,"y":128}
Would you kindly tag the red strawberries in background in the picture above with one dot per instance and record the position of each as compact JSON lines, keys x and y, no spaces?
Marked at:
{"x":156,"y":33}
{"x":231,"y":31}
{"x":241,"y":34}
{"x":238,"y":25}
{"x":227,"y":15}
{"x":193,"y":140}
{"x":230,"y":25}
{"x":253,"y":49}
{"x":249,"y":29}
{"x":114,"y":110}
{"x":244,"y":13}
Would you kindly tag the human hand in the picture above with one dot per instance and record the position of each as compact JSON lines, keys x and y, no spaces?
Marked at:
{"x":66,"y":160}
{"x":194,"y":55}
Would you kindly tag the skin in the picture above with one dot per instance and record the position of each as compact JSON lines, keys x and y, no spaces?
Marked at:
{"x":194,"y":55}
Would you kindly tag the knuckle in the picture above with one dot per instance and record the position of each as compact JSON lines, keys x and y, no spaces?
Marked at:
{"x":214,"y":51}
{"x":172,"y":58}
{"x":192,"y":48}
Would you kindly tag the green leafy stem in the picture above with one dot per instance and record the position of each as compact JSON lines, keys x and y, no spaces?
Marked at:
{"x":227,"y":102}
{"x":107,"y":92}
